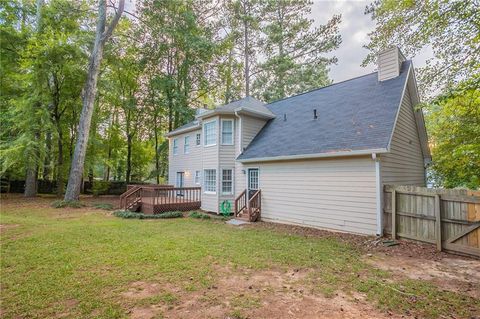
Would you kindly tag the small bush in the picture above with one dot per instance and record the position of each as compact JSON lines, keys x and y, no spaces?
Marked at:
{"x":68,"y":203}
{"x":131,"y":215}
{"x":100,"y":187}
{"x":199,"y":215}
{"x":105,"y":206}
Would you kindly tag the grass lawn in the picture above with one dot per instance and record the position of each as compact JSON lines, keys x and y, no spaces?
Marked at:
{"x":87,"y":263}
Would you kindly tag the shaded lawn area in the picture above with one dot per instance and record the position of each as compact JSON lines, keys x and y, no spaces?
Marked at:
{"x":87,"y":263}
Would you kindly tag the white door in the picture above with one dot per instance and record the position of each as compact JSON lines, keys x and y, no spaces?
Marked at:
{"x":252,"y":182}
{"x":179,"y":182}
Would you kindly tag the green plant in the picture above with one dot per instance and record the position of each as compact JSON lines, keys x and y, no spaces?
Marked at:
{"x":199,"y":215}
{"x":100,"y":187}
{"x":68,"y":203}
{"x":105,"y":206}
{"x":131,"y":215}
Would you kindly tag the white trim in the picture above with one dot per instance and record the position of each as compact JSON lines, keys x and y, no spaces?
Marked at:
{"x":248,"y":174}
{"x":316,"y":155}
{"x":175,"y":146}
{"x":221,"y":131}
{"x":185,"y":130}
{"x":205,"y":135}
{"x":379,"y":195}
{"x":204,"y":179}
{"x":185,"y":139}
{"x":198,"y":145}
{"x":254,"y":113}
{"x":240,"y":134}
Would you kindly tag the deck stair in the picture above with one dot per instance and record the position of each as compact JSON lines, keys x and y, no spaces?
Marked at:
{"x":248,"y":210}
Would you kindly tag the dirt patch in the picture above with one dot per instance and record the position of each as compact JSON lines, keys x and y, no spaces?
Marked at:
{"x":246,"y":293}
{"x":453,"y":274}
{"x":4,"y":227}
{"x":142,"y":290}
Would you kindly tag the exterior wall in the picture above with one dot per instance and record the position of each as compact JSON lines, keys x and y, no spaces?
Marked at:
{"x":210,"y":161}
{"x":337,"y":193}
{"x":389,"y":63}
{"x":187,"y":163}
{"x":227,"y":155}
{"x":404,"y":165}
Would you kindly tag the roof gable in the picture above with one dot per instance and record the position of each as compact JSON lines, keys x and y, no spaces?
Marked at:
{"x":353,"y":116}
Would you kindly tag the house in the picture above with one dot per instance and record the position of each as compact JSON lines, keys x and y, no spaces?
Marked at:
{"x":320,"y":158}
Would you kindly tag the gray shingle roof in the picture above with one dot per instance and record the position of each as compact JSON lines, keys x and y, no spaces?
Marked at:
{"x":354,"y":115}
{"x":184,"y":127}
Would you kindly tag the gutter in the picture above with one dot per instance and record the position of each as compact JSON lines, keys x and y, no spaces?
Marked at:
{"x":313,"y":156}
{"x":188,"y":129}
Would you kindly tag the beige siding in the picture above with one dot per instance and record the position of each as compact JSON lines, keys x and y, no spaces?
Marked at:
{"x":210,"y":161}
{"x":250,"y":128}
{"x":404,"y":164}
{"x":389,"y":63}
{"x":187,"y":163}
{"x":227,"y":155}
{"x":328,"y":193}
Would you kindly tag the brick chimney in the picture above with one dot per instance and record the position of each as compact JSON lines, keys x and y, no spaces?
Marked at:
{"x":389,"y":63}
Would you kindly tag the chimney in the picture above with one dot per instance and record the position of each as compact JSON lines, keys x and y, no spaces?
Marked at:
{"x":389,"y":63}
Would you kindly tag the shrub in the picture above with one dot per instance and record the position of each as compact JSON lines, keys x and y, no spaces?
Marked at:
{"x":131,"y":215}
{"x":105,"y":206}
{"x":100,"y":187}
{"x":199,"y":215}
{"x":68,"y":203}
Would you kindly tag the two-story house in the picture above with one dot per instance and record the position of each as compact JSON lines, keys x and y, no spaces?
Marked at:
{"x":321,"y":158}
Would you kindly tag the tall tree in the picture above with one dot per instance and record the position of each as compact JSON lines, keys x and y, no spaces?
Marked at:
{"x":450,"y":28}
{"x":103,"y":33}
{"x":295,"y":49}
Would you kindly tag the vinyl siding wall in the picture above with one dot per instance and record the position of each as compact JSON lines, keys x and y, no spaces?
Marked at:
{"x":404,"y":164}
{"x":335,"y":193}
{"x":187,"y":163}
{"x":388,"y":64}
{"x":227,"y":161}
{"x":210,"y":161}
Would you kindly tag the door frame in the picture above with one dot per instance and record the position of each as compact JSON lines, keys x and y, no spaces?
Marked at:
{"x":248,"y":180}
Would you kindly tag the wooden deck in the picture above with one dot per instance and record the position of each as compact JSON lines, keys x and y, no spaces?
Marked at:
{"x":157,"y":199}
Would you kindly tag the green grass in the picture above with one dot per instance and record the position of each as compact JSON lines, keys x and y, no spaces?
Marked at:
{"x":85,"y":255}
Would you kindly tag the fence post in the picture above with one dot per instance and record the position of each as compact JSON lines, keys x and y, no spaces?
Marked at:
{"x":438,"y":223}
{"x":394,"y":214}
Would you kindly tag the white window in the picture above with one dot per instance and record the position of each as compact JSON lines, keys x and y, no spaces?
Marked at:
{"x":197,"y":177}
{"x":209,"y":133}
{"x":210,"y":180}
{"x":186,"y":145}
{"x":227,"y":181}
{"x":175,"y":146}
{"x":227,"y":132}
{"x":198,"y":139}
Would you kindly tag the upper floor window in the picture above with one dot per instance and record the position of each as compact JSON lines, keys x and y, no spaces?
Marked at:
{"x":175,"y":146}
{"x":210,"y":180}
{"x":186,"y":145}
{"x":198,"y":140}
{"x":227,"y":132}
{"x":209,"y":133}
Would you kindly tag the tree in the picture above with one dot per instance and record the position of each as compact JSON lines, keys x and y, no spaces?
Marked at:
{"x":103,"y":33}
{"x":453,"y":123}
{"x":450,"y":28}
{"x":295,"y":51}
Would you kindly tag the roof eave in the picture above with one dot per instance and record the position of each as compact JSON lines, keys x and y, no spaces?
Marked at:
{"x":254,"y":113}
{"x":185,"y":130}
{"x":314,"y":156}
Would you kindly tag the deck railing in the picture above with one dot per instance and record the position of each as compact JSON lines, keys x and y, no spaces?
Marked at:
{"x":131,"y":197}
{"x":255,"y":206}
{"x":240,"y":203}
{"x":172,"y":195}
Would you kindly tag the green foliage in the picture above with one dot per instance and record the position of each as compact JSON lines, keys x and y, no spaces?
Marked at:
{"x":449,"y":28}
{"x":105,"y":206}
{"x":100,"y":187}
{"x":453,"y":122}
{"x":295,"y":50}
{"x":199,"y":215}
{"x":68,"y":203}
{"x":131,"y":215}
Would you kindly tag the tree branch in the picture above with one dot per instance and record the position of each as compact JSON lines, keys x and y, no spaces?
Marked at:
{"x":118,"y":14}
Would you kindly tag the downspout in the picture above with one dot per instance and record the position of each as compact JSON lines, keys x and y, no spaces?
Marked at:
{"x":240,"y":137}
{"x":379,"y":195}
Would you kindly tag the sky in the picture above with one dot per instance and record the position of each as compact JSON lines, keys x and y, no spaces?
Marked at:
{"x":354,"y":30}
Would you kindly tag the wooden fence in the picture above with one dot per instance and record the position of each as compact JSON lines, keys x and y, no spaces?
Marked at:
{"x":448,"y":218}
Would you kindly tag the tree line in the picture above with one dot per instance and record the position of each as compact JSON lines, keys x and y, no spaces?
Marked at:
{"x":89,"y":89}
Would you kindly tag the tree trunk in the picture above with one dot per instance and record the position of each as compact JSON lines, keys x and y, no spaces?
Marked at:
{"x":129,"y":158}
{"x":47,"y":161}
{"x":246,"y":11}
{"x":31,"y":182}
{"x":157,"y":156}
{"x":102,"y":35}
{"x":60,"y":180}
